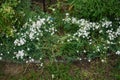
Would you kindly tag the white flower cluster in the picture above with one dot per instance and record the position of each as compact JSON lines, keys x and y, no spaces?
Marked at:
{"x":85,"y":28}
{"x":51,"y":29}
{"x":20,"y":54}
{"x":19,"y":42}
{"x":34,"y":30}
{"x":30,"y":60}
{"x":118,"y":52}
{"x":113,"y":34}
{"x":106,"y":24}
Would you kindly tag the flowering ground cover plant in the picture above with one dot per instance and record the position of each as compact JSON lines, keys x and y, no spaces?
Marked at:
{"x":39,"y":38}
{"x":72,"y":40}
{"x":94,"y":38}
{"x":61,"y":35}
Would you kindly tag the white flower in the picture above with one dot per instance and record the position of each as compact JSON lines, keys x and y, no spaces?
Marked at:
{"x":29,"y":57}
{"x":67,"y":14}
{"x":31,"y":35}
{"x":53,"y":76}
{"x":89,"y":60}
{"x":102,"y":60}
{"x":118,"y":52}
{"x":40,"y":58}
{"x":13,"y":57}
{"x":80,"y":59}
{"x":118,"y":31}
{"x":27,"y":61}
{"x":20,"y":54}
{"x":77,"y":51}
{"x":8,"y":52}
{"x":28,"y":49}
{"x":32,"y":60}
{"x":41,"y":64}
{"x":84,"y":51}
{"x":100,"y":31}
{"x":68,"y":40}
{"x":98,"y":50}
{"x":19,"y":42}
{"x":53,"y":9}
{"x":0,"y":58}
{"x":52,"y":33}
{"x":16,"y":42}
{"x":1,"y":54}
{"x":74,"y":20}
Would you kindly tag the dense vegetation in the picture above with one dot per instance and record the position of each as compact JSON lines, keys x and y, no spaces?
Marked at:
{"x":61,"y":31}
{"x":70,"y":30}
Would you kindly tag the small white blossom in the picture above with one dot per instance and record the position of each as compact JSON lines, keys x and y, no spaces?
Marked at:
{"x":32,"y":60}
{"x":84,"y":51}
{"x":53,"y":9}
{"x":28,"y":49}
{"x":19,"y":42}
{"x":77,"y":51}
{"x":53,"y":76}
{"x":40,"y":58}
{"x":27,"y":61}
{"x":8,"y":52}
{"x":20,"y":54}
{"x":103,"y":60}
{"x":1,"y":54}
{"x":41,"y":64}
{"x":80,"y":59}
{"x":118,"y":52}
{"x":68,"y":40}
{"x":89,"y":60}
{"x":67,"y":14}
{"x":0,"y":58}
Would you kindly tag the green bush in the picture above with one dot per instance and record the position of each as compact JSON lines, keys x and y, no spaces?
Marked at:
{"x":7,"y":17}
{"x":96,"y":10}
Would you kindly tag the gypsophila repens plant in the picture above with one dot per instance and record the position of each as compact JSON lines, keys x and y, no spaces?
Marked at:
{"x":29,"y":42}
{"x":61,"y":34}
{"x":93,"y":38}
{"x":13,"y":17}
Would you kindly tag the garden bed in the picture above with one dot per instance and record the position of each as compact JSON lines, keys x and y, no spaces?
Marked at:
{"x":56,"y":40}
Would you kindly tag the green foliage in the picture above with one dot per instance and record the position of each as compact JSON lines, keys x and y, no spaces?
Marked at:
{"x":96,"y":10}
{"x":7,"y":17}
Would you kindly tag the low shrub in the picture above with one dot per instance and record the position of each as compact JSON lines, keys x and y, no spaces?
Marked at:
{"x":54,"y":35}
